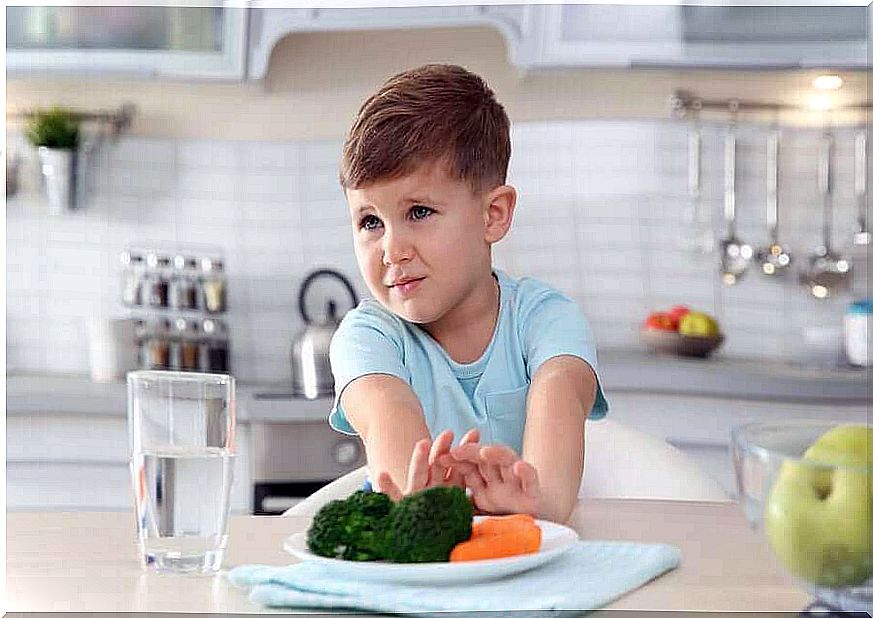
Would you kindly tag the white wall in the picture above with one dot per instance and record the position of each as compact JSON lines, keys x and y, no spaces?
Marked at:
{"x":600,"y":214}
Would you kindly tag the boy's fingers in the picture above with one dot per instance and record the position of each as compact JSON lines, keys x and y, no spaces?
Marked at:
{"x":464,"y":467}
{"x":467,"y":452}
{"x":389,"y":487}
{"x":474,"y":481}
{"x":471,"y":436}
{"x":508,"y":476}
{"x":490,"y":473}
{"x":416,"y":477}
{"x":440,"y":446}
{"x":527,"y":474}
{"x":498,"y":455}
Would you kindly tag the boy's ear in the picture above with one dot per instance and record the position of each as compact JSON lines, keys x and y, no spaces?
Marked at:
{"x":499,"y":208}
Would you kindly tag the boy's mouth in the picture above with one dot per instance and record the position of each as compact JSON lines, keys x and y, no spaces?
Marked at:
{"x":406,"y":285}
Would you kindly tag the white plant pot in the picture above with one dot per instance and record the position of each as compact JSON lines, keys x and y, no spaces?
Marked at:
{"x":60,"y":176}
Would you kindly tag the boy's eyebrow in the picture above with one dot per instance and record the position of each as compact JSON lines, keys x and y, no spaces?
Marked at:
{"x":421,"y":199}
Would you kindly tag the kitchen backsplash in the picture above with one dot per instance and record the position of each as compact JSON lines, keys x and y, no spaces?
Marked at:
{"x":601,"y":215}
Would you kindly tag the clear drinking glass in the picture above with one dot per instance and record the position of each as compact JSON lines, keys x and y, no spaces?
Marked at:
{"x":182,"y":448}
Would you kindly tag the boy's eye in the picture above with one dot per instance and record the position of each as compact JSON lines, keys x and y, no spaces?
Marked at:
{"x":369,"y":222}
{"x":420,"y":212}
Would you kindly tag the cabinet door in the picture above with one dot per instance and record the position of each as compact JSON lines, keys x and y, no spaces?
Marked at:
{"x":79,"y":461}
{"x":607,"y":35}
{"x":717,"y":36}
{"x":156,"y":41}
{"x":792,"y":36}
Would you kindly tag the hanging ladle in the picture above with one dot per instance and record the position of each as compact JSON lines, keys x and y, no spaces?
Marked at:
{"x":863,"y":236}
{"x":775,"y":258}
{"x":735,"y":254}
{"x":828,"y":272}
{"x":697,"y":231}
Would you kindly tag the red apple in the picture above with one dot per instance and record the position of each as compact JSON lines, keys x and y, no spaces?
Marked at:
{"x":677,"y":311}
{"x":661,"y":321}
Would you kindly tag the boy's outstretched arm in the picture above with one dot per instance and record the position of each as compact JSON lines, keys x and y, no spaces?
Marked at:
{"x":560,"y":397}
{"x":384,"y":410}
{"x":400,"y":455}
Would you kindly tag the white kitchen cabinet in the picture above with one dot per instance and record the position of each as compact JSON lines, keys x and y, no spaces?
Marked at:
{"x":701,"y":426}
{"x":80,"y":462}
{"x":269,"y":25}
{"x":574,"y":35}
{"x":194,"y":42}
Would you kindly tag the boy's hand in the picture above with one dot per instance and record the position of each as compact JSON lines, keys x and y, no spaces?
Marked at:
{"x":430,"y":465}
{"x":501,"y":482}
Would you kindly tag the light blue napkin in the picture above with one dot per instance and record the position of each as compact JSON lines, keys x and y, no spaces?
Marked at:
{"x":590,"y":575}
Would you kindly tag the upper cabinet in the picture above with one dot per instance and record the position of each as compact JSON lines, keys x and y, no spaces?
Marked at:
{"x":701,"y":36}
{"x":146,"y":41}
{"x":234,"y":39}
{"x":269,"y":25}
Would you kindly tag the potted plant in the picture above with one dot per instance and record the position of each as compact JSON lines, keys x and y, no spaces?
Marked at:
{"x":55,"y":133}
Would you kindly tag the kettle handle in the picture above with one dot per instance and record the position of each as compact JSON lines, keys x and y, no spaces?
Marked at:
{"x":323,"y":272}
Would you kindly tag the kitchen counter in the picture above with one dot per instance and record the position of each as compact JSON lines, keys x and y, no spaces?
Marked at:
{"x":77,"y":394}
{"x":88,"y":562}
{"x":734,"y":378}
{"x":620,"y":371}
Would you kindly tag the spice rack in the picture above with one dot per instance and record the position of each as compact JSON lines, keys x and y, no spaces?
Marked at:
{"x":178,"y":297}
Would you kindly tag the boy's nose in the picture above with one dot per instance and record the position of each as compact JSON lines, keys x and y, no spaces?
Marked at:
{"x":395,"y":248}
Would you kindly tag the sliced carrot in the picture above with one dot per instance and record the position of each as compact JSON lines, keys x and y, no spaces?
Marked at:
{"x":502,"y":523}
{"x":513,"y":537}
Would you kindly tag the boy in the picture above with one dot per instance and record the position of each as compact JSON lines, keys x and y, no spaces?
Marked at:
{"x":448,"y":345}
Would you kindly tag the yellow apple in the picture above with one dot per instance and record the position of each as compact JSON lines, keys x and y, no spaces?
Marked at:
{"x":819,"y":513}
{"x":698,"y":324}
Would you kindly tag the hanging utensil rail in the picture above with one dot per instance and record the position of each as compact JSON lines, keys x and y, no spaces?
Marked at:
{"x":681,"y":102}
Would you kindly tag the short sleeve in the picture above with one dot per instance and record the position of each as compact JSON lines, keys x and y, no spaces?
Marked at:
{"x":365,"y":343}
{"x":555,"y":326}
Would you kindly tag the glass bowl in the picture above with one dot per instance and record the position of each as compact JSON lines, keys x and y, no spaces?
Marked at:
{"x":814,"y":508}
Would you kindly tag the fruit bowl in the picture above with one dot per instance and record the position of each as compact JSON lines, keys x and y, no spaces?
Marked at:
{"x":674,"y":343}
{"x":805,"y":487}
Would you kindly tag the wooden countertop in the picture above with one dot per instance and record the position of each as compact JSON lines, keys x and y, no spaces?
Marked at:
{"x":88,"y":561}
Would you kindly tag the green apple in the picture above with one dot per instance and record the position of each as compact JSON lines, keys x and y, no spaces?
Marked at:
{"x":819,"y":514}
{"x":844,"y":445}
{"x":698,"y":324}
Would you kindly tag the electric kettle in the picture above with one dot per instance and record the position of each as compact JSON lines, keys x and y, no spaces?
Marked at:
{"x":310,"y":361}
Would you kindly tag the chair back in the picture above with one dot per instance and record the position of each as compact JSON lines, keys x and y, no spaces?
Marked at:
{"x":620,"y":462}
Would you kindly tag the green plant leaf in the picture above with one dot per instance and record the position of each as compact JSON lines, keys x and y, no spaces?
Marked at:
{"x":54,"y":128}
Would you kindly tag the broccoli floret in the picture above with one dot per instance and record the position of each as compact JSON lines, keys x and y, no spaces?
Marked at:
{"x":425,"y":526}
{"x":371,"y":503}
{"x":351,"y":529}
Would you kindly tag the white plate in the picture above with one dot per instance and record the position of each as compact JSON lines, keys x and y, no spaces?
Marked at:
{"x":557,"y":539}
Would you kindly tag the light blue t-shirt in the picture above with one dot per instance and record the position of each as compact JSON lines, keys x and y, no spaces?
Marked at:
{"x":535,"y":323}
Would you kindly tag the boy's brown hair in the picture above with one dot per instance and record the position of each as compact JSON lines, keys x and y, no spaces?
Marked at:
{"x":436,"y":113}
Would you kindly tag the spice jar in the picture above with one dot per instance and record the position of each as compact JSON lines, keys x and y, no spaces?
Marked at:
{"x":186,"y":345}
{"x":213,"y":285}
{"x":140,"y":330}
{"x":131,"y":284}
{"x":156,"y":280}
{"x":183,"y":284}
{"x":157,"y":345}
{"x":214,"y":347}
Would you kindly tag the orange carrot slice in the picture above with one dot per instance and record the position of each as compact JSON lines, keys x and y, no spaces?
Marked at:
{"x":502,"y":523}
{"x":507,"y":536}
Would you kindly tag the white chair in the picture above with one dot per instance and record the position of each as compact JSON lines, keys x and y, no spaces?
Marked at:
{"x":620,"y":462}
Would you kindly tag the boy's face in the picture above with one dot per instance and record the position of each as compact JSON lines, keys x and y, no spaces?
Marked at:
{"x":423,"y":241}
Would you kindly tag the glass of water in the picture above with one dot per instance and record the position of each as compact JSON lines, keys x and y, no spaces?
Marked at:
{"x":181,"y":428}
